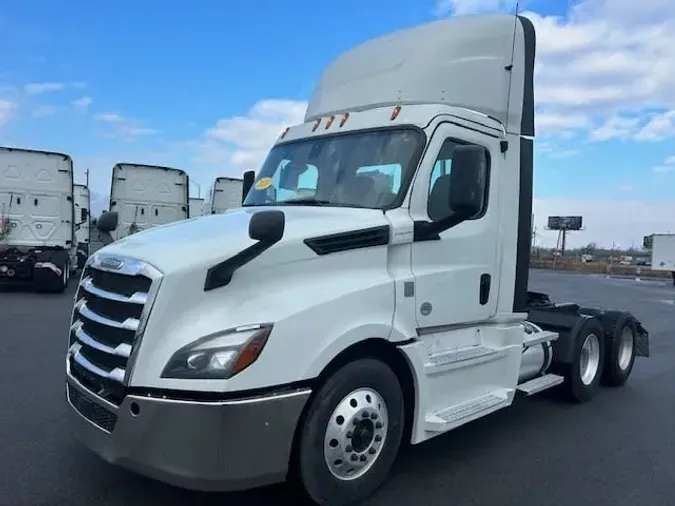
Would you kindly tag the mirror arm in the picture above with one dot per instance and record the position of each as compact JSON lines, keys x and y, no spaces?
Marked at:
{"x":430,"y":230}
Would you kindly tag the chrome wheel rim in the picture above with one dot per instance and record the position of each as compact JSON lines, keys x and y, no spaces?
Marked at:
{"x":356,"y":433}
{"x":626,"y":344}
{"x":590,"y":359}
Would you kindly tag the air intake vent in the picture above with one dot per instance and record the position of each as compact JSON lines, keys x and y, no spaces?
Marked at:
{"x":367,"y":238}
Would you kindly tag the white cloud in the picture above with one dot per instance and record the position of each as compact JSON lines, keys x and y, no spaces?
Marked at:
{"x":668,"y":165}
{"x":127,"y":128}
{"x":616,"y":127}
{"x":82,"y":103}
{"x":110,"y":117}
{"x":606,"y":222}
{"x":39,"y":88}
{"x":7,"y":109}
{"x":659,"y":127}
{"x":242,"y":142}
{"x":46,"y":87}
{"x":43,"y":111}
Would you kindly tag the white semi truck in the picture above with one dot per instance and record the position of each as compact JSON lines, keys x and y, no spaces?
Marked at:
{"x":37,"y":238}
{"x":331,"y":319}
{"x":82,"y":202}
{"x":226,"y":193}
{"x":147,"y":196}
{"x":196,"y":207}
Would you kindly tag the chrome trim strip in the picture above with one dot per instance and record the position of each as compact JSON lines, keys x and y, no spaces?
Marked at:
{"x":116,"y":374}
{"x":121,"y":350}
{"x":136,"y":298}
{"x":128,"y":324}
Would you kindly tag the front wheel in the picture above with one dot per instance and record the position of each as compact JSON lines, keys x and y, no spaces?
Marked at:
{"x":351,"y":434}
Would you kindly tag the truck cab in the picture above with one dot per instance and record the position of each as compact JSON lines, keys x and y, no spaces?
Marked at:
{"x":371,"y":290}
{"x":82,"y":202}
{"x":147,"y":196}
{"x":226,"y":193}
{"x":37,"y":238}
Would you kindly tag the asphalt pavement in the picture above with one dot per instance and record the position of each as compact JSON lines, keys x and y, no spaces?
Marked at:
{"x":617,"y":450}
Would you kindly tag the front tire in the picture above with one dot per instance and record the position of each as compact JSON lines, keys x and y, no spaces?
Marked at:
{"x":351,"y":434}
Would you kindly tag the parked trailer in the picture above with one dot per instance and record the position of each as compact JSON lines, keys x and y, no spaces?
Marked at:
{"x":37,"y":238}
{"x":196,"y":207}
{"x":663,"y":253}
{"x":333,"y":316}
{"x":147,"y":196}
{"x":82,"y":202}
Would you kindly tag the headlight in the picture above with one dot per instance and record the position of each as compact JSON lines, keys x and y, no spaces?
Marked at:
{"x":220,"y":355}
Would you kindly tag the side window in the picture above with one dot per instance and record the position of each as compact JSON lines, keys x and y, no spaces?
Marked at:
{"x":438,"y":206}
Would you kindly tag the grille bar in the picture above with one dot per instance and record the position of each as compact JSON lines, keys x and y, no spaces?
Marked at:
{"x":116,"y":374}
{"x":136,"y":298}
{"x":121,"y":350}
{"x":128,"y":324}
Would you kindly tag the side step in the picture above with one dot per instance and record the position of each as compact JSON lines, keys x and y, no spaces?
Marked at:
{"x":536,"y":385}
{"x":440,"y":362}
{"x":454,"y":416}
{"x":539,"y":337}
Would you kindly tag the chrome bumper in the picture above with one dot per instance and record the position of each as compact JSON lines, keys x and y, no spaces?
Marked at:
{"x":209,"y":446}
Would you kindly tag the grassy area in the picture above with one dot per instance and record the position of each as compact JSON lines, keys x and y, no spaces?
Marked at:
{"x":572,"y":264}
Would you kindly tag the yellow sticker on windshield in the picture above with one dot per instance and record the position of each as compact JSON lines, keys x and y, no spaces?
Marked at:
{"x":263,"y":183}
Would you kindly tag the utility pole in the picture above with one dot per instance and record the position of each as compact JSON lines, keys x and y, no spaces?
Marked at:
{"x":86,"y":175}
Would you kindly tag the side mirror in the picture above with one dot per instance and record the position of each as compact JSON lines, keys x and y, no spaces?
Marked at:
{"x":107,"y":222}
{"x":267,"y":226}
{"x":468,"y":179}
{"x":249,"y":177}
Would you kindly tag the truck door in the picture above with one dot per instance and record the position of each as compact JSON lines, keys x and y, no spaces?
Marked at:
{"x":456,"y":277}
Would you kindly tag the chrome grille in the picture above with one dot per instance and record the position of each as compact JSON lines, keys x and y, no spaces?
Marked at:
{"x":112,"y":305}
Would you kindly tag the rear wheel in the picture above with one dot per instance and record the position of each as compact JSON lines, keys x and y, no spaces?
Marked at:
{"x":351,"y":434}
{"x":620,"y":355}
{"x":582,"y":376}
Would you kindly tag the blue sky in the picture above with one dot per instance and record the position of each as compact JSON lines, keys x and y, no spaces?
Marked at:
{"x":206,"y":86}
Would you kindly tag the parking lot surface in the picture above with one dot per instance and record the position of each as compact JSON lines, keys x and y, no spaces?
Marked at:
{"x":617,"y":450}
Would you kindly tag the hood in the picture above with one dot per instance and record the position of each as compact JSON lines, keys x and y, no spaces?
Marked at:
{"x":211,"y":239}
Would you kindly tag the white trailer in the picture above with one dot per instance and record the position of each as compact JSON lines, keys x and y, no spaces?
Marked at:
{"x":147,"y":196}
{"x":196,"y":207}
{"x":333,"y":317}
{"x":663,"y":253}
{"x":226,"y":193}
{"x":37,"y":240}
{"x":82,"y":201}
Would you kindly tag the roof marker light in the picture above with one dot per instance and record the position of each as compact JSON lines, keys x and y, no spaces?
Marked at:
{"x":395,"y":112}
{"x":330,"y":121}
{"x":283,"y":134}
{"x":344,"y":119}
{"x":316,"y":125}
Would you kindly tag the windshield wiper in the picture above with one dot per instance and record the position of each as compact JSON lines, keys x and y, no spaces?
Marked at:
{"x":307,"y":201}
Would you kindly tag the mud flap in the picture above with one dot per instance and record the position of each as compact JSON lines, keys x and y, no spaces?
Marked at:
{"x":641,"y":341}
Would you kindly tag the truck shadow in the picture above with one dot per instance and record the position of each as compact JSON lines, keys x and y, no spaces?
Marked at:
{"x":418,"y":470}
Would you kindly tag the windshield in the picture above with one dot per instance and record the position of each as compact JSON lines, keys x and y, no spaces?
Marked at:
{"x":360,"y":169}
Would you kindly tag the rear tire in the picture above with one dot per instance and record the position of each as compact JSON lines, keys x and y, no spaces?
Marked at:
{"x":351,"y":434}
{"x":582,"y":376}
{"x":620,"y":354}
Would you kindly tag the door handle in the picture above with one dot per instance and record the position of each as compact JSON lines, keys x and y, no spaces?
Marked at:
{"x":484,"y":290}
